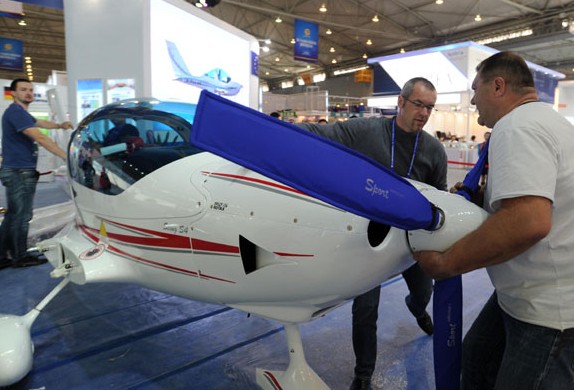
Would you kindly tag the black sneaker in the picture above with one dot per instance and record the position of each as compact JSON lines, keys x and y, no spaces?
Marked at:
{"x":29,"y":261}
{"x":425,"y":323}
{"x":5,"y":263}
{"x":361,"y":384}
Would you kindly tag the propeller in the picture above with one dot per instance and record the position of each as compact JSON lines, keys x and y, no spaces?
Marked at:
{"x":310,"y":163}
{"x":447,"y":304}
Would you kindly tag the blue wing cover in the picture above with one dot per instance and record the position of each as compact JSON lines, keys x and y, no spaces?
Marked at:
{"x":310,"y":163}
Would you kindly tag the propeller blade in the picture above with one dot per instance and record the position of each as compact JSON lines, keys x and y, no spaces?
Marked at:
{"x":310,"y":163}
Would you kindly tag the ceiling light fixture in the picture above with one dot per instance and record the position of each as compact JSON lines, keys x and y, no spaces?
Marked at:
{"x":375,"y":18}
{"x":402,"y":50}
{"x":265,"y":49}
{"x":339,"y":72}
{"x":365,"y":56}
{"x":206,"y":3}
{"x":22,"y":22}
{"x":333,"y":61}
{"x":369,"y":42}
{"x":328,"y":32}
{"x":292,"y":41}
{"x":477,"y":18}
{"x":332,"y":50}
{"x":439,"y":2}
{"x":323,"y":8}
{"x":504,"y":37}
{"x":278,"y":19}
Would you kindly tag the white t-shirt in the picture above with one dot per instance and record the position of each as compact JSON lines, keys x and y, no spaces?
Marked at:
{"x":532,"y":153}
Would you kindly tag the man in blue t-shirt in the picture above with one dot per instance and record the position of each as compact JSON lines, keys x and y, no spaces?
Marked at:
{"x":20,"y":138}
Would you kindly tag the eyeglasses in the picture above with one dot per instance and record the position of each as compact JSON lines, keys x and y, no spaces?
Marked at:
{"x":419,"y":105}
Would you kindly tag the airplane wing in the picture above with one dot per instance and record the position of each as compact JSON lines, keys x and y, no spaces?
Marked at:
{"x":177,"y":62}
{"x":310,"y":163}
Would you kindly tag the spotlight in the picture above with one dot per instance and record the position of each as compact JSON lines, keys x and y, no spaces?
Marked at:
{"x":206,"y":3}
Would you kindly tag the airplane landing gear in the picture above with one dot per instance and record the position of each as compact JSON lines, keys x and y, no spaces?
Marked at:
{"x":299,"y":375}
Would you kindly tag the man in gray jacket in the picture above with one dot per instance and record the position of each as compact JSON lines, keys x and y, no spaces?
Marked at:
{"x":401,"y":144}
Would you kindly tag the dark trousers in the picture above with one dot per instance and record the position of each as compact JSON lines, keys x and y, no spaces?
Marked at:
{"x":366,"y":312}
{"x":500,"y":352}
{"x":20,"y":187}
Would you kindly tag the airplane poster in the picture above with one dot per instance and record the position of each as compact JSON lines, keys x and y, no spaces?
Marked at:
{"x":189,"y":54}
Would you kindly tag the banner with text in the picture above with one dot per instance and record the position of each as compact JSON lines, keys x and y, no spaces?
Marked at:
{"x":11,"y":54}
{"x":306,"y":41}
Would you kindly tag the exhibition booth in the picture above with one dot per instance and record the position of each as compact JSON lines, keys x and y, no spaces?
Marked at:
{"x":165,"y":49}
{"x":451,"y":68}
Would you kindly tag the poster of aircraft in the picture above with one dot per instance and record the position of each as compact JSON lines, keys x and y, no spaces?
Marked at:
{"x":216,"y":80}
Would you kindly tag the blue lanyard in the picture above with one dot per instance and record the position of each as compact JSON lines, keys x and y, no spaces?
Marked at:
{"x":393,"y":151}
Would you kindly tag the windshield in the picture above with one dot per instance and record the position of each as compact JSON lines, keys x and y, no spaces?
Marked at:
{"x":121,"y":143}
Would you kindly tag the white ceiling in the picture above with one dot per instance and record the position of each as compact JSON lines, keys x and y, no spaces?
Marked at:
{"x":406,"y":24}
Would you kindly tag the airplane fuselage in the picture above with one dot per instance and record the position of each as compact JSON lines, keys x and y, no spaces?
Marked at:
{"x":223,"y":234}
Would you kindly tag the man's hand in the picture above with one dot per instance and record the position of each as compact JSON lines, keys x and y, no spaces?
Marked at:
{"x":66,"y":125}
{"x":477,"y":198}
{"x":434,"y":264}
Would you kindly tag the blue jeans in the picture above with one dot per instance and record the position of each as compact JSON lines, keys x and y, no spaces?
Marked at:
{"x":500,"y":352}
{"x":20,"y":187}
{"x":366,"y":312}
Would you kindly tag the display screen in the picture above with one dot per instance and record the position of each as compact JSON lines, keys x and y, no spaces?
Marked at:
{"x":189,"y":54}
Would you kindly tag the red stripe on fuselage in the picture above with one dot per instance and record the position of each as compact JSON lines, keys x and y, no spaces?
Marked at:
{"x":254,"y":180}
{"x":93,"y":236}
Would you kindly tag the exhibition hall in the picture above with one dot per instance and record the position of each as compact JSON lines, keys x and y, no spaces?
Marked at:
{"x":204,"y":213}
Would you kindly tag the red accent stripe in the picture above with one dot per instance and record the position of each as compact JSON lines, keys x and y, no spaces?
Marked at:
{"x":165,"y":240}
{"x":254,"y":180}
{"x":271,"y":378}
{"x":291,"y":254}
{"x":89,"y":232}
{"x":201,"y":245}
{"x":170,"y":267}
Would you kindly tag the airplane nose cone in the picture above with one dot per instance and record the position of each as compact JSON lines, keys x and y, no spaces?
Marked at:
{"x":16,"y":349}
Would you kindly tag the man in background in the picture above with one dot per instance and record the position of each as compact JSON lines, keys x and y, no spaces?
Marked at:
{"x":401,"y":144}
{"x":20,"y":139}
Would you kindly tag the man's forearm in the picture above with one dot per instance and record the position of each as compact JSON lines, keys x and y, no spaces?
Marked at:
{"x":517,"y":226}
{"x":52,"y":125}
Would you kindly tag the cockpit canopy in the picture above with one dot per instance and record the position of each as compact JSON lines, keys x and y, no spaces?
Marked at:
{"x":121,"y":143}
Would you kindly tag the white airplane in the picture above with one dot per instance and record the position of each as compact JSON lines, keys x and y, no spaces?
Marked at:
{"x":155,"y":210}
